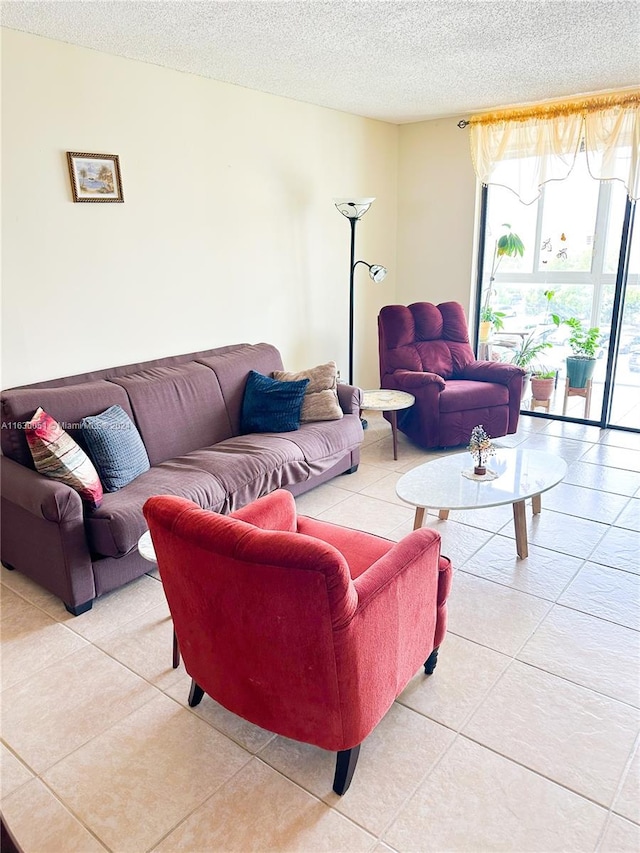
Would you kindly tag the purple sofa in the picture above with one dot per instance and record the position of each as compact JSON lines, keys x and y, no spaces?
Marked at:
{"x":425,"y":350}
{"x":187,"y":410}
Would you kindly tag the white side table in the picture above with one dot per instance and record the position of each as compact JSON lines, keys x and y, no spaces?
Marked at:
{"x":148,"y":552}
{"x":385,"y":400}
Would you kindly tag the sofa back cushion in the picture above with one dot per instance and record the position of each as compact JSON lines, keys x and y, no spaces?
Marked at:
{"x":232,"y":369}
{"x":178,"y":409}
{"x":68,"y":405}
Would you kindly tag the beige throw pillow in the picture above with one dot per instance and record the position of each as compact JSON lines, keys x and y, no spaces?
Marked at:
{"x":321,"y":397}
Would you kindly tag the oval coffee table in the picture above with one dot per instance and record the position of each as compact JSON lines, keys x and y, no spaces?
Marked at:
{"x":521,"y":474}
{"x":388,"y":400}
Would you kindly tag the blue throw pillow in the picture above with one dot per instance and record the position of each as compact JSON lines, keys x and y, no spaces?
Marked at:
{"x":115,"y":448}
{"x":270,"y":405}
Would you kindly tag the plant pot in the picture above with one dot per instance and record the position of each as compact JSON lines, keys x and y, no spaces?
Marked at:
{"x":485,"y":332}
{"x":579,"y":370}
{"x":480,"y":470}
{"x":541,"y":389}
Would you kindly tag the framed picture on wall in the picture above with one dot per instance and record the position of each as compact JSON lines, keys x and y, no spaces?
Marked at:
{"x":95,"y":177}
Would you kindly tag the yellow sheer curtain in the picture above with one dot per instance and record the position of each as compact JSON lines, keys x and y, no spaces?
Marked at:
{"x":522,"y":149}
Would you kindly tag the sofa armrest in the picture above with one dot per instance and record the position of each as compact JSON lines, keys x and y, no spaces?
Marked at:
{"x":39,"y":495}
{"x":350,"y":399}
{"x":492,"y":371}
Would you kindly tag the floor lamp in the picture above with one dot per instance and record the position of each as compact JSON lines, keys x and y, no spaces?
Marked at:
{"x":354,"y":209}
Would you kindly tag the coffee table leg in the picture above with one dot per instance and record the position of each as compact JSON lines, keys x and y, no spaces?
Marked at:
{"x":394,"y":432}
{"x":419,"y":517}
{"x":536,"y":502}
{"x":520,"y":524}
{"x":443,"y":514}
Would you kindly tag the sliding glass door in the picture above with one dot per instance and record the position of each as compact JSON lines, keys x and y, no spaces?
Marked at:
{"x":580,"y":261}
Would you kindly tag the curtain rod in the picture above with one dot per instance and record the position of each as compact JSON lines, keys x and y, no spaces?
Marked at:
{"x":550,"y":109}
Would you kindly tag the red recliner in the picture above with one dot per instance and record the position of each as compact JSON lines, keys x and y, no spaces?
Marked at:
{"x":425,"y":350}
{"x":304,"y":628}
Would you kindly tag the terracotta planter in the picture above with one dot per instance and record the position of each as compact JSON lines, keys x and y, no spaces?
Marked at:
{"x":541,"y":389}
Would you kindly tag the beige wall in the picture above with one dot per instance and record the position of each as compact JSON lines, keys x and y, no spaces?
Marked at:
{"x":436,"y":214}
{"x":228,"y":232}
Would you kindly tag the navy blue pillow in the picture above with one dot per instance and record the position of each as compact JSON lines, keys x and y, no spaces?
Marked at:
{"x":115,"y":448}
{"x":270,"y":405}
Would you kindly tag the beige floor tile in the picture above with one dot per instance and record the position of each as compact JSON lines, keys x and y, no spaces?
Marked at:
{"x":48,"y":715}
{"x":566,"y":448}
{"x":619,"y":438}
{"x":368,"y":514}
{"x":629,"y":518}
{"x":464,"y":674}
{"x":619,"y":549}
{"x":251,"y":737}
{"x":543,"y":573}
{"x":585,"y":503}
{"x":459,"y":542}
{"x":148,"y":771}
{"x":116,"y":608}
{"x":557,"y":531}
{"x":477,"y":801}
{"x":145,"y":646}
{"x":33,"y":593}
{"x":606,"y":593}
{"x":261,"y":811}
{"x":319,"y":499}
{"x":380,"y":455}
{"x":579,"y":432}
{"x":384,"y":489}
{"x":592,"y":652}
{"x":614,"y":457}
{"x":42,"y":824}
{"x":31,"y":639}
{"x":492,"y":519}
{"x":13,"y":773}
{"x":593,"y":476}
{"x":364,"y":476}
{"x":568,"y":733}
{"x":393,"y":759}
{"x":621,"y":836}
{"x":627,"y":802}
{"x":491,"y":614}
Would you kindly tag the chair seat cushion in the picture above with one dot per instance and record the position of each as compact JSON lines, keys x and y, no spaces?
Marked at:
{"x":462,"y":394}
{"x":359,"y":549}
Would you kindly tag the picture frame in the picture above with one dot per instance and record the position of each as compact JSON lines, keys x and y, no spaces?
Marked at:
{"x":95,"y":177}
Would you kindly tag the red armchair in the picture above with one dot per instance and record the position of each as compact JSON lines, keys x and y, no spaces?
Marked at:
{"x":424,"y":349}
{"x":305,"y":628}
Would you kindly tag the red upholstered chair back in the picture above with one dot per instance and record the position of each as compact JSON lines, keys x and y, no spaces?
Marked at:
{"x":424,"y":337}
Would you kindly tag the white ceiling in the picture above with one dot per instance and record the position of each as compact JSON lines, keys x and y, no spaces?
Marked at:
{"x":395,"y":60}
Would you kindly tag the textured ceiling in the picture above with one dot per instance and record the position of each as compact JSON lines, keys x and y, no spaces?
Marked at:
{"x":387,"y":59}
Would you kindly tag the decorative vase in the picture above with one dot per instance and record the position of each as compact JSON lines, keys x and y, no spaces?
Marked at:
{"x":485,"y":331}
{"x":579,"y":370}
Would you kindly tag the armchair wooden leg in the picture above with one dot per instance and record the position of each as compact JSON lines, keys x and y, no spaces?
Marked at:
{"x":195,"y":694}
{"x":345,"y":766}
{"x":431,"y":661}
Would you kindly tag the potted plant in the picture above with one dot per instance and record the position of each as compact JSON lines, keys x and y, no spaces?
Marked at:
{"x":508,"y":245}
{"x":542,"y":383}
{"x":584,"y":344}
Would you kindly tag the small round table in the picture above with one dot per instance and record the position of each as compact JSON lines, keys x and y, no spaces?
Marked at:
{"x":388,"y":401}
{"x":521,"y":474}
{"x":148,"y":552}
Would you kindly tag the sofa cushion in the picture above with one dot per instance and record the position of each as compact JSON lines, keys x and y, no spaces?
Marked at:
{"x":115,"y":448}
{"x":321,"y":397}
{"x":463,"y":394}
{"x":232,"y":369}
{"x":114,"y":529}
{"x":271,"y":406}
{"x":177,"y":408}
{"x":56,"y":455}
{"x":250,"y":466}
{"x":67,"y":404}
{"x":323,"y":443}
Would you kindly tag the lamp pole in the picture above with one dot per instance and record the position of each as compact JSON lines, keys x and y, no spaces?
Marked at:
{"x":354,"y":209}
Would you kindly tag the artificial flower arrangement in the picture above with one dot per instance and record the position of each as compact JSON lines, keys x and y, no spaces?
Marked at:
{"x":481,"y":448}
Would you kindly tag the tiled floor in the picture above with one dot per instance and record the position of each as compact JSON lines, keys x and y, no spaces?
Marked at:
{"x":524,"y":739}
